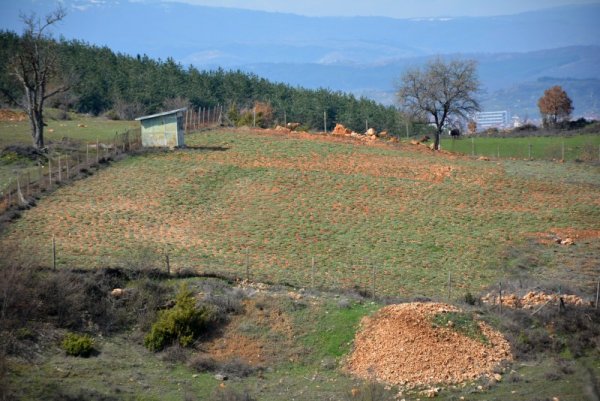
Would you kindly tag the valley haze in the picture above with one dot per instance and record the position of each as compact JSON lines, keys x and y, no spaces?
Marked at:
{"x":520,"y":53}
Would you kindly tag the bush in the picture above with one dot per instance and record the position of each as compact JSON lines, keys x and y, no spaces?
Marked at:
{"x":78,"y":345}
{"x":183,"y":323}
{"x":236,"y":367}
{"x":203,"y":363}
{"x":471,"y":299}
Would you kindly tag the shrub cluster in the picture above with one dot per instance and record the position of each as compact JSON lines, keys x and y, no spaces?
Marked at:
{"x":78,"y":344}
{"x":183,"y":323}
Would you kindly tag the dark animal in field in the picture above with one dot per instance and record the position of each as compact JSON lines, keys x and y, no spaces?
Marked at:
{"x":424,"y":139}
{"x":455,"y":133}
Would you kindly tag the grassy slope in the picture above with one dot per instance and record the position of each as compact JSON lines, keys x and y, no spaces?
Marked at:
{"x":412,"y":215}
{"x":19,"y":132}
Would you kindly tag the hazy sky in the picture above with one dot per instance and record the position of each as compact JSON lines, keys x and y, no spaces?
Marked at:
{"x":391,"y":8}
{"x":386,"y":8}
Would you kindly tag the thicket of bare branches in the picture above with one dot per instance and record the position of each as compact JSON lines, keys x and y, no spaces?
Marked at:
{"x":36,"y":67}
{"x":441,"y":91}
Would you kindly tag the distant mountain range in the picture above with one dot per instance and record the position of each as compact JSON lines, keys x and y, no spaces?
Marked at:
{"x":362,"y":55}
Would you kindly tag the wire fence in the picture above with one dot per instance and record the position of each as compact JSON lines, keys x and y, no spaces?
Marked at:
{"x":203,"y":117}
{"x":556,"y":149}
{"x":367,"y":278}
{"x":58,"y":169}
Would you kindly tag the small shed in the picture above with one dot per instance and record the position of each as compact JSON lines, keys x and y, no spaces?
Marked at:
{"x":163,"y":129}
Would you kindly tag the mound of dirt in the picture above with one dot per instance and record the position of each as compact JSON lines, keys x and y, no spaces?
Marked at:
{"x":399,"y":345}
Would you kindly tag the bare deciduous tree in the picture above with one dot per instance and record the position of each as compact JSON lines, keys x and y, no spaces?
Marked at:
{"x":440,"y":91}
{"x":36,"y":67}
{"x":555,"y":106}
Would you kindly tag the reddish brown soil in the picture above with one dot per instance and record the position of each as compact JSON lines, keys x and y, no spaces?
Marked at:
{"x":400,"y":346}
{"x":253,"y":349}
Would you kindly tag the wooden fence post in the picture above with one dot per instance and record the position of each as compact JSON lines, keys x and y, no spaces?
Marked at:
{"x":449,"y":285}
{"x":40,"y":176}
{"x":53,"y":252}
{"x":49,"y":173}
{"x":59,"y":170}
{"x":374,"y":294}
{"x":500,"y":303}
{"x":597,"y":294}
{"x":529,"y":151}
{"x":312,"y":273}
{"x":248,"y":264}
{"x":472,"y":146}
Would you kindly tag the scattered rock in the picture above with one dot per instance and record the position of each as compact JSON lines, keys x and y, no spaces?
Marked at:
{"x":117,"y":292}
{"x":567,"y":241}
{"x":483,"y":158}
{"x":431,"y":393}
{"x":531,"y":300}
{"x":220,"y":377}
{"x":340,"y":130}
{"x":284,"y":129}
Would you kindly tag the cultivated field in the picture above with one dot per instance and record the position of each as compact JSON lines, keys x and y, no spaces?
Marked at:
{"x":266,"y":204}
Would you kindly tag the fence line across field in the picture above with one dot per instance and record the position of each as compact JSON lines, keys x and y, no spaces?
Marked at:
{"x":61,"y":168}
{"x":360,"y":275}
{"x":552,"y":152}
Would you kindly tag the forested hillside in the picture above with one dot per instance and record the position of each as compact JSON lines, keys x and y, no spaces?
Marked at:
{"x":124,"y":86}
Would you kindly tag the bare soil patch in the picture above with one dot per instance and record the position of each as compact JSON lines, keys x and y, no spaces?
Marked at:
{"x":400,"y":346}
{"x":9,"y":115}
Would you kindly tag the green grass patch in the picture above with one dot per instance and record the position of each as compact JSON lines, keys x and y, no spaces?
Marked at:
{"x":334,"y":328}
{"x":582,"y":147}
{"x":462,"y":322}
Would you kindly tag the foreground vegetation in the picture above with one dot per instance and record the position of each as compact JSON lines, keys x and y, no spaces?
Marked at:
{"x":262,"y":343}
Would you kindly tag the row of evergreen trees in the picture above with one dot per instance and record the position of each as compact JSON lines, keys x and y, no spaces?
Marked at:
{"x":123,"y":86}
